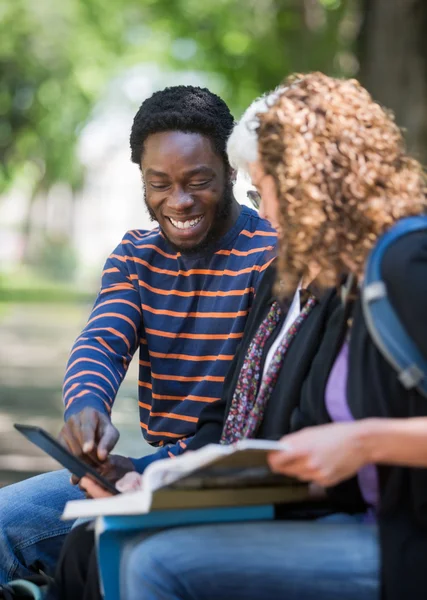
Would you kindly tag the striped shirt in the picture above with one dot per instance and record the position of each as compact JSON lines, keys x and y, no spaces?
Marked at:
{"x":185,"y":313}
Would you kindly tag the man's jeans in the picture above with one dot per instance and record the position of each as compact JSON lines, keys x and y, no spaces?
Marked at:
{"x":316,"y":560}
{"x":30,"y":523}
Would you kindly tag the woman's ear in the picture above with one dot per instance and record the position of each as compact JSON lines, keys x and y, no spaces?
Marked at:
{"x":233,"y":175}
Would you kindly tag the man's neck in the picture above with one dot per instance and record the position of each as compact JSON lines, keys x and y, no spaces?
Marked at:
{"x":235,"y":210}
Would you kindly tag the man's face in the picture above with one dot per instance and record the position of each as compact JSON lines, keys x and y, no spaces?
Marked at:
{"x":187,"y":190}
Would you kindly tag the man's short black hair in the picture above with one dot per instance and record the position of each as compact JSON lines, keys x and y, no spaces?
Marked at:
{"x":182,"y":108}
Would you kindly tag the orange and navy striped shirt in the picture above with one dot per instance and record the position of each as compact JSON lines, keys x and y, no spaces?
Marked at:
{"x":185,"y":313}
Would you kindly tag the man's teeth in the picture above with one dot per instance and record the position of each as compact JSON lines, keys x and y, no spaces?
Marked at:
{"x":185,"y":224}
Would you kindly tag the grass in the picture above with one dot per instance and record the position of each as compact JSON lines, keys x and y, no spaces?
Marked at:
{"x":26,"y":287}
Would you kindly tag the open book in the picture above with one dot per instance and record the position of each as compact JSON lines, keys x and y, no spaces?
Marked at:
{"x":236,"y":475}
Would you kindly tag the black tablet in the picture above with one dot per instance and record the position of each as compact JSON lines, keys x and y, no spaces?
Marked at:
{"x":51,"y":446}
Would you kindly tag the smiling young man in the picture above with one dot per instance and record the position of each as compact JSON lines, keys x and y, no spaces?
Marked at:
{"x":180,"y":293}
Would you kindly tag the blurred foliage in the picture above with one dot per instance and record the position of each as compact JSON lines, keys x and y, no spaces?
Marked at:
{"x":253,"y":44}
{"x":56,"y":57}
{"x":56,"y":259}
{"x":52,"y":64}
{"x":30,"y":288}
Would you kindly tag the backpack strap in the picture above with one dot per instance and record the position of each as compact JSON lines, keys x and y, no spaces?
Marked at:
{"x":20,"y":589}
{"x":382,"y":321}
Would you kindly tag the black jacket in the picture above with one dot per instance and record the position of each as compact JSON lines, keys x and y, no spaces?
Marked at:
{"x":294,"y":370}
{"x":372,"y":390}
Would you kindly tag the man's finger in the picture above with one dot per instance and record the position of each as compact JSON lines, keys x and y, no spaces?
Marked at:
{"x":87,"y":432}
{"x":68,"y":439}
{"x":108,"y":439}
{"x":74,"y":480}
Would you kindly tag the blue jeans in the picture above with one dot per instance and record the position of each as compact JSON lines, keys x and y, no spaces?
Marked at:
{"x":30,"y":522}
{"x":283,"y":560}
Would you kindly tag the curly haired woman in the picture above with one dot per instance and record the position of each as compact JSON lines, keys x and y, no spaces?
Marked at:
{"x":333,"y":172}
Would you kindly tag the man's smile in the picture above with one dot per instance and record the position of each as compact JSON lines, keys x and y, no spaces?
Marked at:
{"x":188,"y":224}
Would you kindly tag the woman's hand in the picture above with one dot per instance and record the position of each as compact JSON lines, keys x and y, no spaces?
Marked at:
{"x":93,"y":489}
{"x":130,"y":482}
{"x":325,"y":454}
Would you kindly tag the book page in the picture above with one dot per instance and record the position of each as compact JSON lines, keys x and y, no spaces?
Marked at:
{"x":129,"y":503}
{"x":166,"y":471}
{"x":157,"y":475}
{"x":246,"y":464}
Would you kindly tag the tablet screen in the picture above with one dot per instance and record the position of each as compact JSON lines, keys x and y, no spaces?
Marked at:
{"x":51,"y":446}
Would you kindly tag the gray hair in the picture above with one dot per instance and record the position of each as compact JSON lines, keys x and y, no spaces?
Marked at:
{"x":242,"y":145}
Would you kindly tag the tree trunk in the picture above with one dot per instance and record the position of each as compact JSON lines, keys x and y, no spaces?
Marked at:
{"x":393,"y":63}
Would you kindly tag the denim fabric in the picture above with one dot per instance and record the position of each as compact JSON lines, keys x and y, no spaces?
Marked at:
{"x":30,"y":523}
{"x":276,"y":560}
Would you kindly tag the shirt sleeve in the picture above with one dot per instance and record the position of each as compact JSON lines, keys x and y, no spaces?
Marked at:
{"x":169,"y":451}
{"x":101,"y":354}
{"x":404,"y":271}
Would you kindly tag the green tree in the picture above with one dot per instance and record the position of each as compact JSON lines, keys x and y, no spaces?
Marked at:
{"x":55,"y":58}
{"x":52,"y":64}
{"x":392,"y":48}
{"x":251,"y":44}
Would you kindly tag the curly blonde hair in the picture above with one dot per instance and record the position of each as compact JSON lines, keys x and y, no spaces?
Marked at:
{"x":342,"y":175}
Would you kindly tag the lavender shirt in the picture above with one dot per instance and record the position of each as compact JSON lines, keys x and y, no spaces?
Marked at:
{"x":339,"y":411}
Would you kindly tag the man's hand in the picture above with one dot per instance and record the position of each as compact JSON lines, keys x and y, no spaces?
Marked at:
{"x":90,"y":435}
{"x":130,"y":482}
{"x":325,"y":455}
{"x":115,"y":467}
